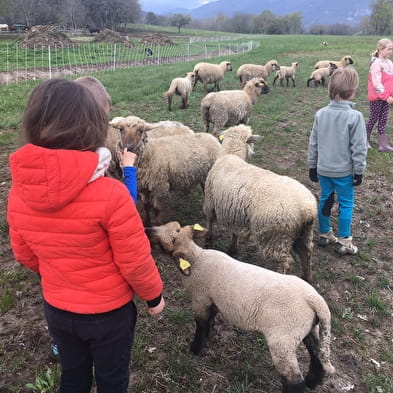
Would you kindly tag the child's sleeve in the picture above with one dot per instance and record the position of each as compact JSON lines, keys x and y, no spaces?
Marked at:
{"x":131,"y":182}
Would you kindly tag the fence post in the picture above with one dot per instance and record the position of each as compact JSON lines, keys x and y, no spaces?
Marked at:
{"x":49,"y":63}
{"x":205,"y":50}
{"x":114,"y":56}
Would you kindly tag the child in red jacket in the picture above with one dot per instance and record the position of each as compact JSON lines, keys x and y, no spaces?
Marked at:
{"x":82,"y":233}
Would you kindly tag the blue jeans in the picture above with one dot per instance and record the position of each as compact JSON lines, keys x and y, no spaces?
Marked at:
{"x":100,"y":340}
{"x":343,"y":187}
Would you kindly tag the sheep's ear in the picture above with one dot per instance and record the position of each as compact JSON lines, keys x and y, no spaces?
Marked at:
{"x":198,"y":231}
{"x":183,"y":265}
{"x":254,"y":138}
{"x":221,"y":137}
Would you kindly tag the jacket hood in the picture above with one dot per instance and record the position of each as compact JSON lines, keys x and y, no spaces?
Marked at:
{"x":48,"y":179}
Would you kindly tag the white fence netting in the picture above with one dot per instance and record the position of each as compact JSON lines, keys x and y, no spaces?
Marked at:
{"x":43,"y":62}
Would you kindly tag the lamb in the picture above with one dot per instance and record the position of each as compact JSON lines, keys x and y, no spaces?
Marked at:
{"x":284,"y":308}
{"x":181,"y":87}
{"x":277,"y":212}
{"x":321,"y":74}
{"x":231,"y":107}
{"x":345,"y":61}
{"x":286,"y":73}
{"x":167,"y":163}
{"x":208,"y":73}
{"x":248,"y":71}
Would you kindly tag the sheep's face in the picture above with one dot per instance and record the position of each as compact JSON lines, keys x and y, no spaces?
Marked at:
{"x":175,"y":240}
{"x":275,"y":65}
{"x":348,"y":60}
{"x":131,"y":133}
{"x":228,"y":66}
{"x":332,"y":67}
{"x":295,"y":65}
{"x":191,"y":76}
{"x":259,"y":84}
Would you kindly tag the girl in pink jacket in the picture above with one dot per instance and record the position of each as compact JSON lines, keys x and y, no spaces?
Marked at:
{"x":380,"y":92}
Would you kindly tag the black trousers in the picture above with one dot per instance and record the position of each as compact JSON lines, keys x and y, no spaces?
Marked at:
{"x":93,"y":343}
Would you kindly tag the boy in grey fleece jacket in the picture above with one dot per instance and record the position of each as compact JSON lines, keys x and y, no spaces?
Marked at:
{"x":337,"y":154}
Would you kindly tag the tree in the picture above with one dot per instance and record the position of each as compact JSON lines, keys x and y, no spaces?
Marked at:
{"x":179,"y":20}
{"x":151,"y":18}
{"x":381,"y":17}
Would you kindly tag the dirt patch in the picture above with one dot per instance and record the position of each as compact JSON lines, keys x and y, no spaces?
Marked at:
{"x":157,"y":39}
{"x":112,"y":37}
{"x":40,"y":35}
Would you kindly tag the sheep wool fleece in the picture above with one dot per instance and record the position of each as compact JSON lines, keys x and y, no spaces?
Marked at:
{"x":86,"y":240}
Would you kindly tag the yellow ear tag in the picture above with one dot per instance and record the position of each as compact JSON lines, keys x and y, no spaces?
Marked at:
{"x":184,"y":265}
{"x":197,"y":227}
{"x":221,"y":137}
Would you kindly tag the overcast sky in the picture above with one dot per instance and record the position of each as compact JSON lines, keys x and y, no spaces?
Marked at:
{"x":153,"y":4}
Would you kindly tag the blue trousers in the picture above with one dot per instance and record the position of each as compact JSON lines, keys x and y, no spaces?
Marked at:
{"x":100,"y":340}
{"x":343,"y":187}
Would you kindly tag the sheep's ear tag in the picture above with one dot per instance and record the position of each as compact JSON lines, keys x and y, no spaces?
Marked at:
{"x":221,"y":137}
{"x":197,"y":227}
{"x":184,"y":266}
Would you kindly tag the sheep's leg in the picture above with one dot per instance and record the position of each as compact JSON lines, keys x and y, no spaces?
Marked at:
{"x":205,"y":85}
{"x":145,"y":199}
{"x":184,"y":101}
{"x":169,"y":103}
{"x":274,"y":80}
{"x":157,"y":211}
{"x":233,"y":249}
{"x":210,"y":217}
{"x":303,"y":247}
{"x":316,"y":372}
{"x":285,"y":360}
{"x":293,"y":80}
{"x":203,"y":326}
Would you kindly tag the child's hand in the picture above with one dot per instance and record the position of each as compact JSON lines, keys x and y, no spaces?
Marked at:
{"x":157,"y":309}
{"x":390,"y":100}
{"x":127,"y":158}
{"x":313,"y":175}
{"x":357,"y":180}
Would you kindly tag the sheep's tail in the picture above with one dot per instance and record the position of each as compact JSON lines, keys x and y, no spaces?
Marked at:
{"x":323,"y":313}
{"x":171,"y":91}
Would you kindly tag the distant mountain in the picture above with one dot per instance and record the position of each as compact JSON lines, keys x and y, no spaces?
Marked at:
{"x":326,"y":12}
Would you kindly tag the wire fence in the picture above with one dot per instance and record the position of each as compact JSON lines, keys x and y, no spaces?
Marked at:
{"x":46,"y":62}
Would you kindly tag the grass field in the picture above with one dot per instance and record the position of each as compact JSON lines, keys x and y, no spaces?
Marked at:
{"x":357,"y":288}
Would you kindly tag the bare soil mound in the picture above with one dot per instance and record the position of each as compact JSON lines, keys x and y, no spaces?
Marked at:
{"x":156,"y":39}
{"x":112,"y":37}
{"x":40,"y":35}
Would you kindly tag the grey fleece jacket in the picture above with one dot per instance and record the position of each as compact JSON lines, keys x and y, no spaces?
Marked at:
{"x":338,"y":142}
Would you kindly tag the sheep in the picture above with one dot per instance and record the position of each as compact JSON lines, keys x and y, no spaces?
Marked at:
{"x":324,"y":43}
{"x":181,"y":87}
{"x":231,"y":107}
{"x":345,"y":61}
{"x":211,"y":73}
{"x":168,"y":163}
{"x":277,"y":212}
{"x":284,"y":308}
{"x":286,"y":73}
{"x":248,"y":71}
{"x":321,"y":74}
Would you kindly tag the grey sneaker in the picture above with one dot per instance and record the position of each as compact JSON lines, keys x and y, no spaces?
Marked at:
{"x":344,"y":246}
{"x":327,"y":238}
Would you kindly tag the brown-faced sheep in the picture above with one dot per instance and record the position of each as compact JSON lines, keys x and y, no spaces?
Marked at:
{"x":167,"y":163}
{"x":208,"y":73}
{"x":345,"y":61}
{"x":277,"y":212}
{"x":320,"y":75}
{"x":284,"y":308}
{"x":181,"y":87}
{"x":286,"y":73}
{"x":231,"y":107}
{"x":248,"y":71}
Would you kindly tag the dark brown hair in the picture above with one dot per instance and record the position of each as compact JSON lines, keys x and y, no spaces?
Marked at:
{"x":343,"y":83}
{"x":62,"y":114}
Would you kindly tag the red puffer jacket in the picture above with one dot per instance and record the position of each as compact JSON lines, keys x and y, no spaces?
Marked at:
{"x":86,"y":240}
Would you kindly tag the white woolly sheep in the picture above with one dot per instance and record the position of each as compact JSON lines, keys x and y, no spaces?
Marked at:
{"x":286,"y":73}
{"x":248,"y":71}
{"x":181,"y":87}
{"x":168,"y":163}
{"x":231,"y":107}
{"x":345,"y":61}
{"x":284,"y":308}
{"x":277,"y":212}
{"x":208,"y":73}
{"x":324,"y":43}
{"x":321,"y":74}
